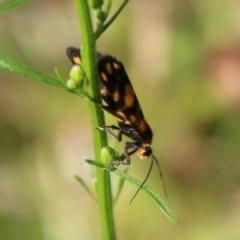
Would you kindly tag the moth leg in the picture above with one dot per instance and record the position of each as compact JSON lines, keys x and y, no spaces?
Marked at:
{"x":112,"y":127}
{"x":126,"y":161}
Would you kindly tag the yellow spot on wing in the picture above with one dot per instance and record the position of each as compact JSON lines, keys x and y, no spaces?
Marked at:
{"x":116,"y":96}
{"x":104,"y":91}
{"x":116,"y":65}
{"x":109,"y":69}
{"x":77,"y":60}
{"x":104,"y":77}
{"x":142,"y":126}
{"x":132,"y":119}
{"x":121,"y":116}
{"x":129,"y":96}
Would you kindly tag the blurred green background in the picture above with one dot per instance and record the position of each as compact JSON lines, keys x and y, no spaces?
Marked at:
{"x":183,"y":58}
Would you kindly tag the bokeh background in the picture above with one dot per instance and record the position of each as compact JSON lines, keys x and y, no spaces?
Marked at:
{"x":183,"y":58}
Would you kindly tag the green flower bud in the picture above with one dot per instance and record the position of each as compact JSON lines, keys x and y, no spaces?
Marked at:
{"x":95,"y":4}
{"x":100,"y":16}
{"x":76,"y":77}
{"x":71,"y":84}
{"x":107,"y":155}
{"x":77,"y":73}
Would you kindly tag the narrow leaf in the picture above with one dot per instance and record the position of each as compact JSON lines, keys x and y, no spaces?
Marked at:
{"x":120,"y":187}
{"x":11,"y":4}
{"x":155,"y":196}
{"x":163,"y":205}
{"x":25,"y":71}
{"x":84,"y":185}
{"x":95,"y":163}
{"x":90,"y":168}
{"x":59,"y":76}
{"x":110,"y":21}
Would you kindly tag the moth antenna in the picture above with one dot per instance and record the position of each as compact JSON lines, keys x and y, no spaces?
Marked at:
{"x":160,"y":174}
{"x":146,"y":178}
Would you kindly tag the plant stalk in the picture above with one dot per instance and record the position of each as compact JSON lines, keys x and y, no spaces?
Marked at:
{"x":89,"y":59}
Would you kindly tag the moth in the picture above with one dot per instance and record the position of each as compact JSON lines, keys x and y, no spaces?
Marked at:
{"x":121,"y":102}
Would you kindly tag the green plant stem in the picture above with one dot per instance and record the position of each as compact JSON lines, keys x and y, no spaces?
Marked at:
{"x":97,"y":118}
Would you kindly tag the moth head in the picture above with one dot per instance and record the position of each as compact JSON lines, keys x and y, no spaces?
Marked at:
{"x":144,"y":151}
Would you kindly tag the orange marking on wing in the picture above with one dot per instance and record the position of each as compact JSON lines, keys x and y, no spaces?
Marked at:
{"x":129,"y":96}
{"x":116,"y":65}
{"x":142,"y":126}
{"x":116,"y":96}
{"x":108,"y":68}
{"x":77,"y":60}
{"x":122,"y":116}
{"x":104,"y":77}
{"x":132,"y":119}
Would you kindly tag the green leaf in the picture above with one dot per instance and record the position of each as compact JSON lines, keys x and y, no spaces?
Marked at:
{"x":25,"y":71}
{"x":90,"y":168}
{"x":155,"y":196}
{"x":84,"y":185}
{"x":95,"y":163}
{"x":120,"y":187}
{"x":11,"y":4}
{"x":59,"y":76}
{"x":157,"y":199}
{"x":101,"y":29}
